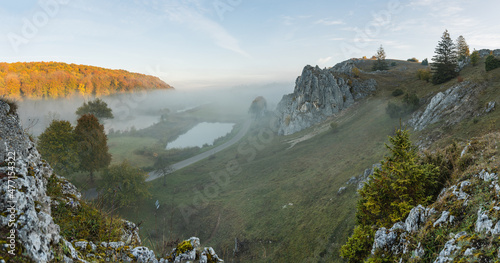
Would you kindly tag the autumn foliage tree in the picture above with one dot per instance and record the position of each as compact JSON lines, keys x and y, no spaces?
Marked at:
{"x":58,"y":145}
{"x":92,"y":144}
{"x":40,"y":80}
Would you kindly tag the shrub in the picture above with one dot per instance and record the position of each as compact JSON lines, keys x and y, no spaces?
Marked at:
{"x":412,"y":60}
{"x":424,"y":74}
{"x":356,"y":72}
{"x":334,"y":127}
{"x":358,"y":245}
{"x":393,"y":64}
{"x":397,"y":92}
{"x":492,"y":63}
{"x":425,"y":62}
{"x":399,"y":109}
{"x":460,"y":79}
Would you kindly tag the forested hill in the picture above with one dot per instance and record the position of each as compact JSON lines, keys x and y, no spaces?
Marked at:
{"x":38,"y":80}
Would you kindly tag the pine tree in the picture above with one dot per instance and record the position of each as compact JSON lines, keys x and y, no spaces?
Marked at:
{"x":462,"y":48}
{"x":445,"y":60}
{"x":380,"y":64}
{"x":92,"y":144}
{"x":58,"y":145}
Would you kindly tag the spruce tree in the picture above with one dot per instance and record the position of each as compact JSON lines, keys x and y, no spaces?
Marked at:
{"x":92,"y":144}
{"x":380,"y":63}
{"x":445,"y":60}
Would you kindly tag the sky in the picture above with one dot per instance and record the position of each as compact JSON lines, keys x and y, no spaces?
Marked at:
{"x":221,"y":43}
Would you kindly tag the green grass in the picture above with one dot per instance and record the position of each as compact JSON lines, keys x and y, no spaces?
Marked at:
{"x":122,"y":148}
{"x":251,"y":205}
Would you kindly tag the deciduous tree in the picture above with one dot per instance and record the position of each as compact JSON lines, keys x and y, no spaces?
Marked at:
{"x":92,"y":144}
{"x":463,"y":51}
{"x":123,"y":184}
{"x":58,"y":145}
{"x":97,"y":107}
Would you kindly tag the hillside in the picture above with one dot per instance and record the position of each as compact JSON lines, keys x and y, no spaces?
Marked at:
{"x":39,"y":80}
{"x":291,"y":198}
{"x":44,"y":218}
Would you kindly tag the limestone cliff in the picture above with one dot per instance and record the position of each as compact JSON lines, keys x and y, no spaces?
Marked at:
{"x":30,"y":193}
{"x":320,"y":93}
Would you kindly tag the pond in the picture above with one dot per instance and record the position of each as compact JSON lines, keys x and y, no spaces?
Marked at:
{"x":202,"y":133}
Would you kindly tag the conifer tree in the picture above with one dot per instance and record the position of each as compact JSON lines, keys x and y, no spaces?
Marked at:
{"x":474,"y":58}
{"x":445,"y":60}
{"x":401,"y":183}
{"x":92,"y":144}
{"x":380,"y":63}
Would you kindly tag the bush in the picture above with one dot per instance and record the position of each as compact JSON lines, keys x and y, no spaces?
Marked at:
{"x":334,"y":127}
{"x":492,"y":63}
{"x":397,"y":92}
{"x":399,"y":109}
{"x":424,"y":74}
{"x":356,"y":72}
{"x":412,"y":60}
{"x":460,"y":79}
{"x":474,"y":58}
{"x":359,"y":244}
{"x":425,"y":62}
{"x":393,"y":64}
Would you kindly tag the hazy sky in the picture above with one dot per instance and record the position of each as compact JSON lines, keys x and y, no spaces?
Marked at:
{"x":198,"y":43}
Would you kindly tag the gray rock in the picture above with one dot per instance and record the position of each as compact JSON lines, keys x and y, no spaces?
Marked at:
{"x":469,"y":252}
{"x":341,"y":190}
{"x":490,"y":107}
{"x":442,"y":219}
{"x":450,"y":248}
{"x":419,"y":252}
{"x":318,"y":94}
{"x":487,"y":176}
{"x":453,"y":105}
{"x":36,"y":230}
{"x":417,"y":217}
{"x":144,"y":255}
{"x":458,"y":191}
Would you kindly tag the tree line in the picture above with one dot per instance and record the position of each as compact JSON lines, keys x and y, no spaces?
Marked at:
{"x":43,"y":80}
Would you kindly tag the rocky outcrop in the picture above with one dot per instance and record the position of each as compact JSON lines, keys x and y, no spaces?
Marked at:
{"x":450,"y":106}
{"x":320,"y":93}
{"x":26,"y":218}
{"x":486,"y":52}
{"x":403,"y":239}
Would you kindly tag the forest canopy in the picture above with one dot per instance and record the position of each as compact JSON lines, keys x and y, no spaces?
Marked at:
{"x":42,"y":80}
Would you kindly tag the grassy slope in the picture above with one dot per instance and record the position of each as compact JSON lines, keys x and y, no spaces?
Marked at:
{"x":308,"y":175}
